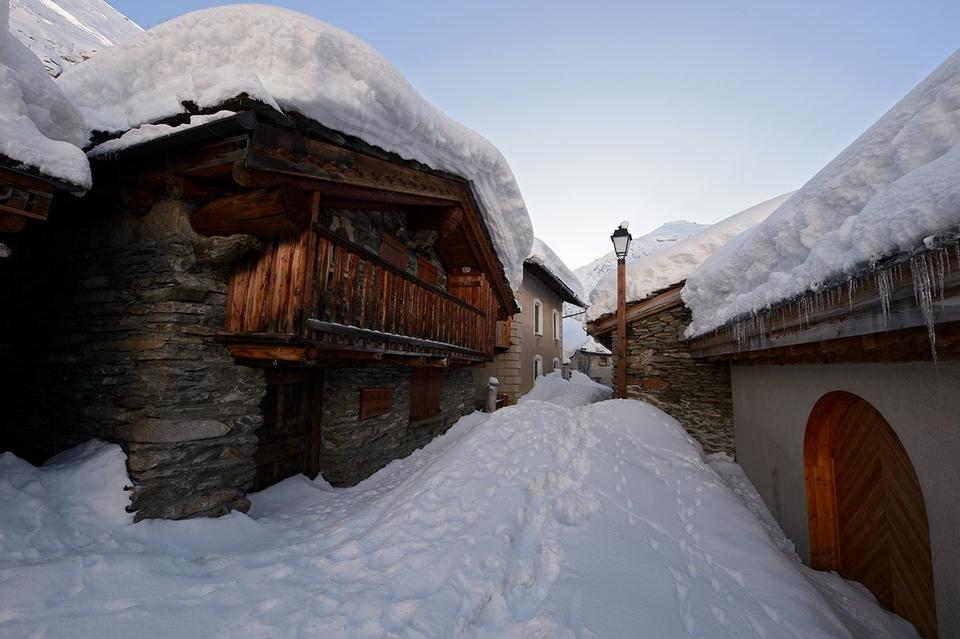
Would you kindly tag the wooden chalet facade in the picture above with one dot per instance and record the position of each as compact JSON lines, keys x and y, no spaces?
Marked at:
{"x":662,"y":371}
{"x":26,"y":194}
{"x":847,"y":419}
{"x":245,"y":300}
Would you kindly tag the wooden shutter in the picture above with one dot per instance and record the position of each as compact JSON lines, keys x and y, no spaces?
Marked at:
{"x":394,"y":251}
{"x":424,"y":393}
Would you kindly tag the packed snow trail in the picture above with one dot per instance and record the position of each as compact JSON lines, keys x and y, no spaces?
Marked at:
{"x":598,"y":520}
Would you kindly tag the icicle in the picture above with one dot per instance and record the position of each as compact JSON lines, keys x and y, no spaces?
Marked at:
{"x":923,"y":293}
{"x":884,"y":289}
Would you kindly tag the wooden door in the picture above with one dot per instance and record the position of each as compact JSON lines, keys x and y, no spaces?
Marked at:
{"x":866,"y":513}
{"x":289,"y":439}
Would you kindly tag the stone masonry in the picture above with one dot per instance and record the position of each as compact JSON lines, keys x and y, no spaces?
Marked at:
{"x":111,"y":335}
{"x":661,"y":371}
{"x":352,"y":450}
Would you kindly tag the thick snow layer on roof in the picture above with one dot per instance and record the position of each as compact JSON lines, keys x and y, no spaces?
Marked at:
{"x":673,"y":264}
{"x":543,"y":256}
{"x":894,"y":186}
{"x":39,"y":127}
{"x":66,"y":32}
{"x":296,"y":63}
{"x":545,"y":519}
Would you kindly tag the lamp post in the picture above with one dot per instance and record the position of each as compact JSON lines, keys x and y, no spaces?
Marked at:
{"x":621,"y":245}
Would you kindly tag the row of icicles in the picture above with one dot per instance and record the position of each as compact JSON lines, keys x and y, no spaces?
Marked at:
{"x":928,"y":273}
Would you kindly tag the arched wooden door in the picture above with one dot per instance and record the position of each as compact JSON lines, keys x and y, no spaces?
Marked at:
{"x":865,"y":508}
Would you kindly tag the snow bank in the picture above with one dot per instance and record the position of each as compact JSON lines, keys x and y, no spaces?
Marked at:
{"x":598,"y":520}
{"x":39,"y":127}
{"x":894,"y":186}
{"x":543,"y":256}
{"x":296,"y":63}
{"x":72,"y":503}
{"x":579,"y":390}
{"x":673,"y":264}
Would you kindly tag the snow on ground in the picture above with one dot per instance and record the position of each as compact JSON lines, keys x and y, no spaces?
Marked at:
{"x":673,"y":264}
{"x":540,"y":520}
{"x":889,"y":190}
{"x":66,"y":32}
{"x":39,"y":127}
{"x":543,"y":256}
{"x":296,"y":63}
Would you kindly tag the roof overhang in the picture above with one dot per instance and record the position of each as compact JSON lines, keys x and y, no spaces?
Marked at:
{"x":657,"y":302}
{"x":553,"y":283}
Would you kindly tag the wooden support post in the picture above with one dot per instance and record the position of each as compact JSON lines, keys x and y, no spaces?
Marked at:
{"x":622,"y":328}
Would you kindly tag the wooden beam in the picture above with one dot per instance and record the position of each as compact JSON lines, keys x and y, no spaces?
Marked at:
{"x":638,"y":310}
{"x":264,"y":213}
{"x":363,"y":333}
{"x":274,"y":352}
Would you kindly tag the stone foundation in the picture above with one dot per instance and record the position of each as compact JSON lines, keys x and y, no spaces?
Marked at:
{"x":109,"y":334}
{"x":661,"y":371}
{"x":351,"y":449}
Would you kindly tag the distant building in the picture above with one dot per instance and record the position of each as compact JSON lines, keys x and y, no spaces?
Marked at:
{"x":594,"y":360}
{"x":530,"y":344}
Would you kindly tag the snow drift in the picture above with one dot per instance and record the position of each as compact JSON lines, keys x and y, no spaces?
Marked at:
{"x":296,"y":63}
{"x":538,"y":520}
{"x":673,"y":264}
{"x":884,"y":194}
{"x":40,"y":129}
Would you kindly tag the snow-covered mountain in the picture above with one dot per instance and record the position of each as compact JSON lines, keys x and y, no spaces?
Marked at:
{"x":654,"y":241}
{"x":65,"y":32}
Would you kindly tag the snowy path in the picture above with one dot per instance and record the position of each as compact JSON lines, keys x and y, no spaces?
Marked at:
{"x":540,"y":520}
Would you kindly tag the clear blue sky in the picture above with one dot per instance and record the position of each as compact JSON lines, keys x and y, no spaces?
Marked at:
{"x":647,"y":111}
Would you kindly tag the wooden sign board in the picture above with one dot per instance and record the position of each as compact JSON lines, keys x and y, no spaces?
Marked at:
{"x":375,"y":401}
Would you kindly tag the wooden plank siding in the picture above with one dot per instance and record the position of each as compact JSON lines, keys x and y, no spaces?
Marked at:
{"x":319,"y":276}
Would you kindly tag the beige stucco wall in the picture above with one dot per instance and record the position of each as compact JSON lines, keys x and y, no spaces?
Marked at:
{"x":921,"y":401}
{"x":518,"y":361}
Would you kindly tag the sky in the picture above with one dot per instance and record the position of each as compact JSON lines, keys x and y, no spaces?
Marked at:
{"x":647,"y":112}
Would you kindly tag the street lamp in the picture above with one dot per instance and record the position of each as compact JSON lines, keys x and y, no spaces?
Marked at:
{"x":621,"y":245}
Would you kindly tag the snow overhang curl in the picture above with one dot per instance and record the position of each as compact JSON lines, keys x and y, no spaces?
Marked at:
{"x":544,"y":257}
{"x":891,"y":188}
{"x":296,"y":63}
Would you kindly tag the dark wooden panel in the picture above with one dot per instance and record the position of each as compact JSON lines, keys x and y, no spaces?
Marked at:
{"x":290,"y":434}
{"x":427,"y":272}
{"x":393,"y":251}
{"x":265,"y":213}
{"x":375,"y":401}
{"x":424,"y":393}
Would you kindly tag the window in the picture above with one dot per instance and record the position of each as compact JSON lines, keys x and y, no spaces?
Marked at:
{"x":604,"y":361}
{"x":537,"y":366}
{"x":556,"y":364}
{"x":556,"y":325}
{"x":537,"y":317}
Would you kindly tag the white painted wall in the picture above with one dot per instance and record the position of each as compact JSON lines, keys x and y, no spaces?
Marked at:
{"x":921,"y":401}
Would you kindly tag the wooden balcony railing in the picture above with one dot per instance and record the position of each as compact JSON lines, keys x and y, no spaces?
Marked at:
{"x":324,"y":289}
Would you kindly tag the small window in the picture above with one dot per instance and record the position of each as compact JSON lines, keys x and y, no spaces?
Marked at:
{"x":537,"y":317}
{"x":556,"y":325}
{"x":537,"y":366}
{"x":556,"y":364}
{"x":424,"y":393}
{"x":604,"y":361}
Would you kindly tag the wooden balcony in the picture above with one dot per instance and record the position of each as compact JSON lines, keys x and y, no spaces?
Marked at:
{"x":315,"y":296}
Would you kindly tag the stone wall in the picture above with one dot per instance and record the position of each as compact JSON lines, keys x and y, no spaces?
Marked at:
{"x":109,"y":333}
{"x":352,"y":450}
{"x":660,"y":370}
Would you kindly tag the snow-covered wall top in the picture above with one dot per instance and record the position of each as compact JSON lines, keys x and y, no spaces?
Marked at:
{"x":66,"y":32}
{"x":656,"y":240}
{"x":296,"y":63}
{"x":543,"y":256}
{"x":894,"y":186}
{"x":674,"y":264}
{"x":39,"y":128}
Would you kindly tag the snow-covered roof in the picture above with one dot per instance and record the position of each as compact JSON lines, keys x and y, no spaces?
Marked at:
{"x":544,"y":257}
{"x":892,"y":187}
{"x":593,"y":346}
{"x":295,"y":63}
{"x":673,"y":265}
{"x":40,"y":129}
